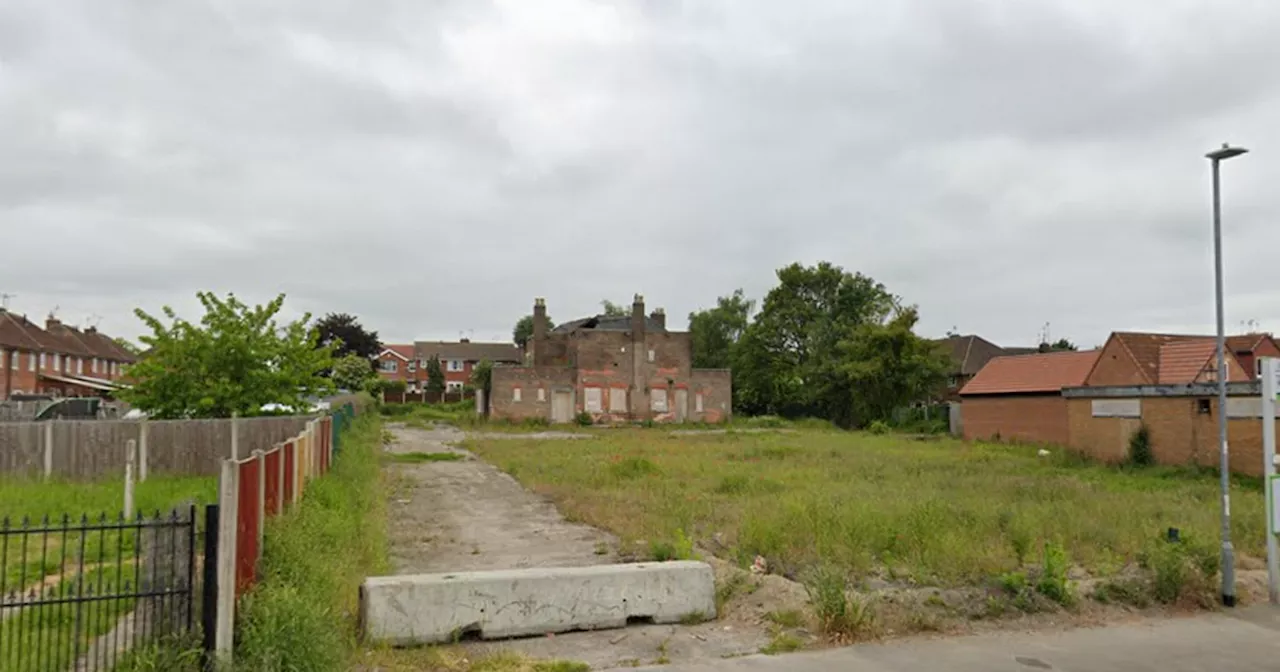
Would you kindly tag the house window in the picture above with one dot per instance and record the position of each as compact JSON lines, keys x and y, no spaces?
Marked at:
{"x":953,"y":382}
{"x":1202,"y":406}
{"x":617,"y":400}
{"x":515,"y":394}
{"x":57,"y":362}
{"x":389,"y":365}
{"x":453,"y":386}
{"x":658,"y":399}
{"x":413,"y":366}
{"x":593,"y":399}
{"x":651,"y":354}
{"x":455,"y":365}
{"x":79,"y":366}
{"x":13,"y":359}
{"x":95,"y":364}
{"x":31,"y":362}
{"x":542,"y":394}
{"x":44,"y":362}
{"x":1257,"y":367}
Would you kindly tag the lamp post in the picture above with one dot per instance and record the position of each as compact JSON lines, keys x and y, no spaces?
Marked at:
{"x":1216,"y":157}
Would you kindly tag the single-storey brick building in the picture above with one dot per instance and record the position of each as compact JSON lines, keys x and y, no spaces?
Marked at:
{"x":1019,"y":397}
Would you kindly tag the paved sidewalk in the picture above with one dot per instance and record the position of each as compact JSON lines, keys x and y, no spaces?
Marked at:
{"x":1241,"y":641}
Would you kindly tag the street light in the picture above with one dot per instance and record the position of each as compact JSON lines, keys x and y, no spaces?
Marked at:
{"x":1216,"y":157}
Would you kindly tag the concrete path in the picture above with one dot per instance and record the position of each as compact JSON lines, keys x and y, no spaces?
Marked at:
{"x":466,"y":515}
{"x":1247,"y":640}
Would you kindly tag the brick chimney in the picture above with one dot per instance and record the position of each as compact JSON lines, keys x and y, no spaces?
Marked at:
{"x":51,"y":323}
{"x":659,"y":317}
{"x":637,"y":318}
{"x":539,"y":331}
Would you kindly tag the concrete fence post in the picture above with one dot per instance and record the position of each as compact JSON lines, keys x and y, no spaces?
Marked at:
{"x":235,"y":436}
{"x":131,"y":456}
{"x":143,"y":430}
{"x":261,"y":485}
{"x":228,"y":515}
{"x":48,"y":450}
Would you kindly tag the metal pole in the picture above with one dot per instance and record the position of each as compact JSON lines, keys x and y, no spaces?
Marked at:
{"x":1270,"y":366}
{"x":1228,"y":554}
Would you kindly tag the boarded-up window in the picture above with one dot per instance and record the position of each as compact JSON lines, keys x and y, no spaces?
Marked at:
{"x":542,"y":394}
{"x":593,"y":399}
{"x":658,"y":399}
{"x":1117,"y":408}
{"x":515,"y":394}
{"x":697,"y":403}
{"x":1246,"y":407}
{"x":617,"y":400}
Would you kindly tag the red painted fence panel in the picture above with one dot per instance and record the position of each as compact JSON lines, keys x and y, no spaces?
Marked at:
{"x":247,"y":526}
{"x":272,"y":464}
{"x":289,"y":467}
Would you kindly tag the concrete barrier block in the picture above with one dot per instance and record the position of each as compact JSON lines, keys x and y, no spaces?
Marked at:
{"x":434,"y":608}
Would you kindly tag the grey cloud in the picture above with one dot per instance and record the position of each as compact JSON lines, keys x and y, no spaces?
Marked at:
{"x":434,"y":166}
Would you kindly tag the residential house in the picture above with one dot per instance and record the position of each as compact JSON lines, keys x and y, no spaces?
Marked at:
{"x":1019,"y":397}
{"x":968,"y":354}
{"x":613,"y":368}
{"x":397,"y":362}
{"x":60,"y":359}
{"x":458,"y":359}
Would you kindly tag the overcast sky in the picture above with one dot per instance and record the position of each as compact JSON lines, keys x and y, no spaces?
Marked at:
{"x":433,"y":166}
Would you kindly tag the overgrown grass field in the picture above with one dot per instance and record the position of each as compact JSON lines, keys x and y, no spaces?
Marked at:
{"x":935,"y":512}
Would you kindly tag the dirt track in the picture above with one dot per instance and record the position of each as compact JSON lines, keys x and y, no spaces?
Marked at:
{"x":467,"y":515}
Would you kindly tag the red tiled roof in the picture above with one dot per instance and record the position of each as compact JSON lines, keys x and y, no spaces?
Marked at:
{"x":1046,"y":372}
{"x":404,"y":350}
{"x":1182,"y":363}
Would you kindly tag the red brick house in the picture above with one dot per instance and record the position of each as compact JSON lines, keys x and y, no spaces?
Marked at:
{"x":968,"y":354}
{"x":393,"y":363}
{"x":60,"y":360}
{"x":1020,"y":397}
{"x":458,"y":360}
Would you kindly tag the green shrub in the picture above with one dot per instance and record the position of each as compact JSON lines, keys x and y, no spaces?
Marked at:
{"x":1140,"y":454}
{"x":878,"y":427}
{"x":584,"y":419}
{"x":634,"y":467}
{"x":681,"y":548}
{"x":302,"y":613}
{"x":1182,"y":568}
{"x":1053,"y":582}
{"x":839,"y":614}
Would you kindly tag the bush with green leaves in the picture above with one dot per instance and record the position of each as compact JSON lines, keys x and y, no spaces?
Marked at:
{"x":1140,"y":452}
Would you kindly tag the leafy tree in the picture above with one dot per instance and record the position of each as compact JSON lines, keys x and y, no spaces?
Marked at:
{"x":821,"y":338}
{"x":237,"y":359}
{"x":345,"y":334}
{"x":612,"y":309}
{"x":482,"y":374}
{"x":435,"y":375}
{"x":1062,"y":344}
{"x":352,"y":372}
{"x":784,"y":350}
{"x":715,"y":332}
{"x":128,"y":346}
{"x":523,"y":330}
{"x":878,"y":368}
